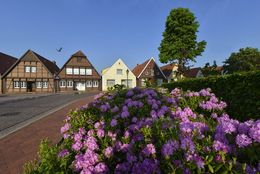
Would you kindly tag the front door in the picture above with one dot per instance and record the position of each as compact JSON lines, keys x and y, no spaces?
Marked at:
{"x":31,"y":86}
{"x":80,"y":86}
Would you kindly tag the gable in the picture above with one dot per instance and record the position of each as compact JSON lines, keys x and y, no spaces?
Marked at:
{"x":78,"y":60}
{"x":29,"y":58}
{"x":119,"y":64}
{"x":151,"y":69}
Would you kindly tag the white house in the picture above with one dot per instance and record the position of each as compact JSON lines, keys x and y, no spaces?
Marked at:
{"x":118,"y":73}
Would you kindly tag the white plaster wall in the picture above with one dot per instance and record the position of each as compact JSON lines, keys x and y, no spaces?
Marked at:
{"x":111,"y":73}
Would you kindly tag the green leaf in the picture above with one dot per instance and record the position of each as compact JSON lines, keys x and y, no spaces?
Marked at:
{"x":211,"y":168}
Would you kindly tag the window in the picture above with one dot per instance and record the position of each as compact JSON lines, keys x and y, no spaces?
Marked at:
{"x":23,"y":84}
{"x":110,"y":83}
{"x":95,"y":83}
{"x":27,"y":69}
{"x":70,"y":84}
{"x":62,"y":83}
{"x":68,"y":70}
{"x":88,"y":72}
{"x":79,"y":59}
{"x":33,"y":69}
{"x":89,"y":83}
{"x":119,"y":71}
{"x":82,"y":71}
{"x":124,"y":82}
{"x":38,"y":84}
{"x":76,"y":71}
{"x":16,"y":84}
{"x":45,"y":84}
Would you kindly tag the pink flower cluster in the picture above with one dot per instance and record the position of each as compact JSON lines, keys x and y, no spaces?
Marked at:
{"x":141,"y":130}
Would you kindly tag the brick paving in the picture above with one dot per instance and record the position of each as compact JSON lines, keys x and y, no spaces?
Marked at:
{"x":22,"y":145}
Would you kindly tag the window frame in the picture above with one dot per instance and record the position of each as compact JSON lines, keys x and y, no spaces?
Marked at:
{"x":95,"y":83}
{"x":16,"y":84}
{"x":69,"y":68}
{"x":118,"y":70}
{"x":33,"y":68}
{"x":45,"y":84}
{"x":76,"y":71}
{"x":63,"y":83}
{"x":80,"y":71}
{"x":27,"y":69}
{"x":89,"y":70}
{"x":89,"y":84}
{"x":70,"y":84}
{"x":23,"y":84}
{"x":38,"y":84}
{"x":111,"y":80}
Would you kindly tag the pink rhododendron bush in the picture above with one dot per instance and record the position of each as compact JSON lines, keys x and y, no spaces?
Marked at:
{"x":142,"y":131}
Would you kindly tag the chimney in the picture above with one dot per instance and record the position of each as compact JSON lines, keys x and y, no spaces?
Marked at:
{"x":54,"y":62}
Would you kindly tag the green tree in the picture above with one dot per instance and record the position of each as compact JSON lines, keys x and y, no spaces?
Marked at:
{"x":179,"y":44}
{"x":247,"y":59}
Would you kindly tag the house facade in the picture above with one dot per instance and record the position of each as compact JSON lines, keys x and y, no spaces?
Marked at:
{"x":31,"y":73}
{"x":78,"y":74}
{"x":149,"y":72}
{"x":170,"y":72}
{"x":118,"y":73}
{"x":6,"y":61}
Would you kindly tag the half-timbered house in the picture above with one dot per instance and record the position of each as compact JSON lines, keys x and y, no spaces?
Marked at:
{"x":148,"y":72}
{"x":78,"y":74}
{"x":31,"y":73}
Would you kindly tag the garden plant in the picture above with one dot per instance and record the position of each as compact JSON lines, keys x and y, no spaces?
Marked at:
{"x":143,"y":131}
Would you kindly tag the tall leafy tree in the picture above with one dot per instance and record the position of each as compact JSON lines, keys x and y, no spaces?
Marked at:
{"x":246,"y":59}
{"x":179,"y":44}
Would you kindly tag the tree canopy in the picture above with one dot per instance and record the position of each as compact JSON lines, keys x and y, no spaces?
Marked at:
{"x":246,"y":59}
{"x":179,"y":44}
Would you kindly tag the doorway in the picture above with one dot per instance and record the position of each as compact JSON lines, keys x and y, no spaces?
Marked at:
{"x":31,"y":86}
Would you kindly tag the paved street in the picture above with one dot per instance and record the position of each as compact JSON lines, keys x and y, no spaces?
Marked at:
{"x":18,"y":109}
{"x":22,"y":145}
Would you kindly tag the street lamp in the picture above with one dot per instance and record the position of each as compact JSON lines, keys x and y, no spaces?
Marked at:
{"x":127,"y":72}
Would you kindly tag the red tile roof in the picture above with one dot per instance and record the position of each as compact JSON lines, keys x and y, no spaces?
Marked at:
{"x":52,"y":67}
{"x":6,"y":62}
{"x":139,"y":68}
{"x":191,"y":73}
{"x":167,"y":69}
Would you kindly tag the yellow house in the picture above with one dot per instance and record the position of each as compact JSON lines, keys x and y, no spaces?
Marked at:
{"x":118,"y":73}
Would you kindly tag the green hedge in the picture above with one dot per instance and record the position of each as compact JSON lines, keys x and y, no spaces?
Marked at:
{"x":241,"y":91}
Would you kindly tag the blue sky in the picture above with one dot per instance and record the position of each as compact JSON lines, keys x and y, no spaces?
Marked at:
{"x":106,"y":30}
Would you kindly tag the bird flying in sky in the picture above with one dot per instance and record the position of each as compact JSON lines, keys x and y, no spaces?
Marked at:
{"x":59,"y":50}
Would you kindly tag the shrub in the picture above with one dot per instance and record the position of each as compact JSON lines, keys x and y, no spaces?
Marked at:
{"x":241,"y":91}
{"x":143,"y":131}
